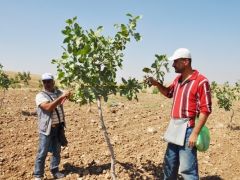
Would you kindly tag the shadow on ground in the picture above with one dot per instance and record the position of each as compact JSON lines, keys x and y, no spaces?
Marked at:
{"x":211,"y":178}
{"x":91,"y":169}
{"x":148,"y":167}
{"x":133,"y":172}
{"x":130,"y":169}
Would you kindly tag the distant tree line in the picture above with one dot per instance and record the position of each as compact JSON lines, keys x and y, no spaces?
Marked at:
{"x":6,"y":81}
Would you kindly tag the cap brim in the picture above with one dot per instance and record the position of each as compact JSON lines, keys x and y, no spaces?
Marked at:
{"x":46,"y":79}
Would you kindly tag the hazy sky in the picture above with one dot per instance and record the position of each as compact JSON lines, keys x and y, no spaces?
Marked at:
{"x":30,"y":32}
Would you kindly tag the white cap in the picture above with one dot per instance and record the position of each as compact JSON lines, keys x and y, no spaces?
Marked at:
{"x":180,"y":53}
{"x":47,"y":76}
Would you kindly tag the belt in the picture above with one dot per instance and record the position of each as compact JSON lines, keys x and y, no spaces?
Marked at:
{"x":54,"y":125}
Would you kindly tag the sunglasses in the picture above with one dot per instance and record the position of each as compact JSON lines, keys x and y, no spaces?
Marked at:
{"x":47,"y":81}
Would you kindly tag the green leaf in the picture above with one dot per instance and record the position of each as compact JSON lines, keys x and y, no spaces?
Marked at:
{"x":147,"y":70}
{"x":154,"y":65}
{"x":85,"y":50}
{"x":75,"y":18}
{"x":124,"y":81}
{"x":61,"y":75}
{"x":100,"y":28}
{"x":64,"y":56}
{"x":129,"y":15}
{"x":69,"y":21}
{"x":137,"y":36}
{"x":124,"y":30}
{"x":54,"y":61}
{"x":67,"y":40}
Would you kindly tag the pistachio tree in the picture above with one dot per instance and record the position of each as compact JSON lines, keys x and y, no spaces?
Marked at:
{"x":158,"y":69}
{"x":5,"y":83}
{"x":89,"y":64}
{"x":226,"y":95}
{"x":25,"y":77}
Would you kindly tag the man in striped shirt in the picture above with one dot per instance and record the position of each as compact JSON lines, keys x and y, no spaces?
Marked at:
{"x":191,"y":98}
{"x":50,"y":118}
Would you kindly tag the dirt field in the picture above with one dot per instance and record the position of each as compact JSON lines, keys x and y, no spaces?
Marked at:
{"x":135,"y":128}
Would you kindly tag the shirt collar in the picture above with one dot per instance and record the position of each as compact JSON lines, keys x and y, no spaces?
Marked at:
{"x":193,"y":76}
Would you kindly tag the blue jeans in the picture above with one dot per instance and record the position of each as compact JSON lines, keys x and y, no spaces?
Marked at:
{"x":47,"y":144}
{"x":182,"y":159}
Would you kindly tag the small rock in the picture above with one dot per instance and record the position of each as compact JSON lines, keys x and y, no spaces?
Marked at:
{"x":151,"y":130}
{"x":66,"y":155}
{"x":219,"y":126}
{"x":93,"y":121}
{"x":113,"y":110}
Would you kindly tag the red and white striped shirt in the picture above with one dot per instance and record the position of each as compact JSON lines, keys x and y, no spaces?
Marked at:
{"x":191,"y":97}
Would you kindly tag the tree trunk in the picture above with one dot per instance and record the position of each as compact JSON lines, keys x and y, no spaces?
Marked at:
{"x":106,"y":137}
{"x":2,"y":99}
{"x":89,"y":110}
{"x":231,"y":119}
